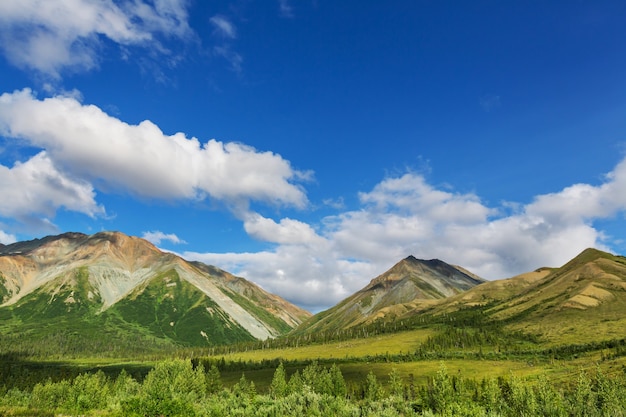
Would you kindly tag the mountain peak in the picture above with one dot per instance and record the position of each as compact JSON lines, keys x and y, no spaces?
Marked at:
{"x":593,"y":253}
{"x":430,"y":262}
{"x":432,"y":276}
{"x":408,"y":281}
{"x":586,"y":256}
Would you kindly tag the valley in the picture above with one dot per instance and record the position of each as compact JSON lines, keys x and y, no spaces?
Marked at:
{"x":121,"y":313}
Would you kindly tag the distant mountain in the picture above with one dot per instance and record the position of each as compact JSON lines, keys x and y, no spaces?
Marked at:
{"x":411,"y":281}
{"x":582,"y":301}
{"x":109,"y":288}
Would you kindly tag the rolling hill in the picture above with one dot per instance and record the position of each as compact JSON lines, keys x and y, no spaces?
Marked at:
{"x":109,"y":290}
{"x":582,"y":301}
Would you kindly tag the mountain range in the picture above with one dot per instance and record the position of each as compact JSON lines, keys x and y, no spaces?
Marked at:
{"x":582,"y":301}
{"x":108,"y":292}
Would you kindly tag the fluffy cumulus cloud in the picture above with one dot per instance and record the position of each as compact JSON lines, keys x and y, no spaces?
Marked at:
{"x":54,"y":35}
{"x":89,"y":144}
{"x":84,"y":149}
{"x":156,"y":237}
{"x":405,"y":215}
{"x":37,"y":187}
{"x":7,"y":238}
{"x":288,"y":231}
{"x":305,"y":275}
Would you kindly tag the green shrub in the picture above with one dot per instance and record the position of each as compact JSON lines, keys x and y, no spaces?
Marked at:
{"x":50,"y":395}
{"x":170,"y":389}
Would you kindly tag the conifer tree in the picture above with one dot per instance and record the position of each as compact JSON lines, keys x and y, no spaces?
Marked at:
{"x":295,"y":383}
{"x":244,"y":388}
{"x":338,"y":382}
{"x":213,"y":380}
{"x":396,"y":387}
{"x":278,"y":386}
{"x":441,"y":392}
{"x":373,"y":391}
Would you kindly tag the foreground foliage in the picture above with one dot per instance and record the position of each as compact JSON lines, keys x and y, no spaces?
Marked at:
{"x":177,"y":388}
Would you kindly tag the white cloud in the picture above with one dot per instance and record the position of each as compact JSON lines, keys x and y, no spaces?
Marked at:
{"x":226,"y":32}
{"x":55,"y":35}
{"x":88,"y":144}
{"x":7,"y":238}
{"x":288,"y":231}
{"x":223,"y":27}
{"x":301,"y":274}
{"x":156,"y":237}
{"x":233,"y":58}
{"x":37,"y":187}
{"x":405,"y":215}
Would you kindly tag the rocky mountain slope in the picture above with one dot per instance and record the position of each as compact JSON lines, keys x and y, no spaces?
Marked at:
{"x":120,"y":285}
{"x":409,"y":283}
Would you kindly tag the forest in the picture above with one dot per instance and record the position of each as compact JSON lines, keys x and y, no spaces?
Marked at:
{"x":302,"y":375}
{"x":179,"y":387}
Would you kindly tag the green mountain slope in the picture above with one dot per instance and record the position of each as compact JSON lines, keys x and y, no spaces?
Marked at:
{"x":110,"y":292}
{"x":582,"y":301}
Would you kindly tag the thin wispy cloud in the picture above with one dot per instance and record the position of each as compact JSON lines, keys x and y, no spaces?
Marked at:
{"x":234,"y":59}
{"x":285,"y":9}
{"x":226,"y":32}
{"x":223,"y":27}
{"x":55,"y":36}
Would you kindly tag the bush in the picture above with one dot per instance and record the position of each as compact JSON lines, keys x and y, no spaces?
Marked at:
{"x":170,"y":389}
{"x":50,"y":395}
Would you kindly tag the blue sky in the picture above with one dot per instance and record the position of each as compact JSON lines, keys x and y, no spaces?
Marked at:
{"x":310,"y":145}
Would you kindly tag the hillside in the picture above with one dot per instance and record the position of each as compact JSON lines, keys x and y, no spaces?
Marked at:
{"x":582,"y":301}
{"x":410,"y":281}
{"x":80,"y":288}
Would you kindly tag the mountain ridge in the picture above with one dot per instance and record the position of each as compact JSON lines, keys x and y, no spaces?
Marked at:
{"x":584,"y":300}
{"x":107,"y":268}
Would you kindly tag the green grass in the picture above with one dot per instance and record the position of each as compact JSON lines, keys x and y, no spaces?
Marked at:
{"x":392,"y":344}
{"x":561,"y":372}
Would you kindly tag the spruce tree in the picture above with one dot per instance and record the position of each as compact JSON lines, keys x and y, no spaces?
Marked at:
{"x":278,"y":386}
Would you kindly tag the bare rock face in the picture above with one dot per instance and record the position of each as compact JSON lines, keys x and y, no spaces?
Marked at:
{"x":111,"y":270}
